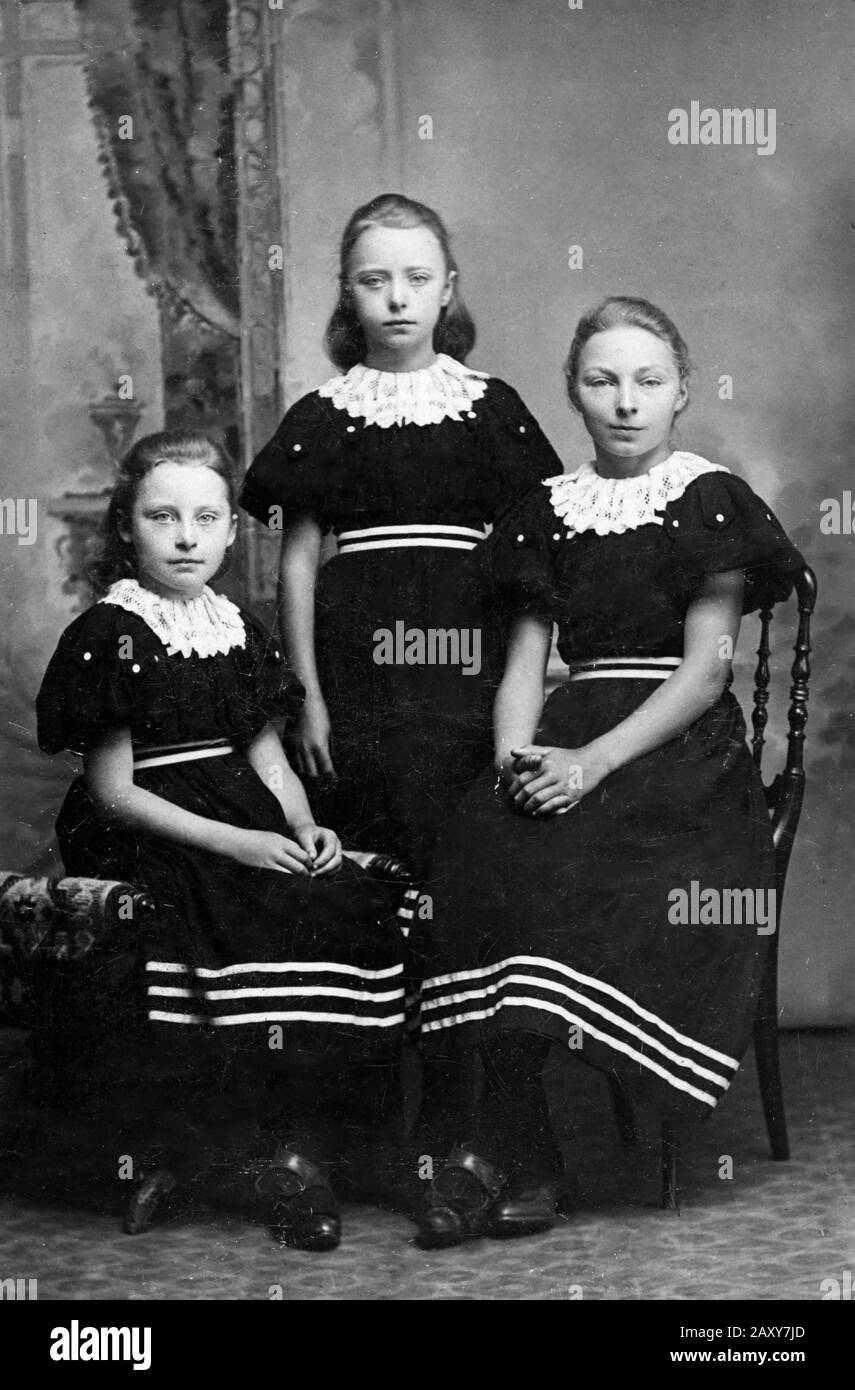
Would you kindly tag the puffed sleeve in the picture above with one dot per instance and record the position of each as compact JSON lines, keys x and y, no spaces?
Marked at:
{"x":286,"y":479}
{"x":92,"y":682}
{"x":719,"y":524}
{"x":519,"y":453}
{"x":270,"y":689}
{"x":518,"y":558}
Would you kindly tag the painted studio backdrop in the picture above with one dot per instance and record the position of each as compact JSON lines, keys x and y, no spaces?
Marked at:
{"x":174,"y":177}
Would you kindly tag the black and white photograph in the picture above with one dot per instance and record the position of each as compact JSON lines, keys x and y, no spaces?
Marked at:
{"x":428,"y":714}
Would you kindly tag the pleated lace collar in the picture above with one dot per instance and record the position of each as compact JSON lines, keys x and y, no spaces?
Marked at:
{"x":209,"y":625}
{"x":586,"y":502}
{"x":443,"y":391}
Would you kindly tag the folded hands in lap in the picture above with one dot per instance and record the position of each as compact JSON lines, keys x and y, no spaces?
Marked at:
{"x":545,"y":781}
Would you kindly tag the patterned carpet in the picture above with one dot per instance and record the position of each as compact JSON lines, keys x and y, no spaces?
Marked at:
{"x":772,"y":1231}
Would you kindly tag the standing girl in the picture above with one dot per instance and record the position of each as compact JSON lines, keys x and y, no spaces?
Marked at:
{"x":556,"y":882}
{"x":405,"y":457}
{"x":263,"y":934}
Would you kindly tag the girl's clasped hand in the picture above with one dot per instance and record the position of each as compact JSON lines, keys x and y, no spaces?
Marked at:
{"x":314,"y":850}
{"x":543,"y":781}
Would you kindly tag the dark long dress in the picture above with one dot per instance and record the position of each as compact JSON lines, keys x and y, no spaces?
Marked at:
{"x":569,"y":927}
{"x":233,"y":949}
{"x":407,"y":739}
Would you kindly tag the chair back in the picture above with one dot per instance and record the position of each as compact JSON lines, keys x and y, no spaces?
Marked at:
{"x":785,"y":793}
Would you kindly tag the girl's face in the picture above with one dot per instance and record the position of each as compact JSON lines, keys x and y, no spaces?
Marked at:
{"x":399,"y":285}
{"x":181,"y":527}
{"x":628,"y":390}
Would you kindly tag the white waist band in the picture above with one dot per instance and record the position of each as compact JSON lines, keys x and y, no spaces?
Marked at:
{"x":630,"y":668}
{"x":190,"y":756}
{"x":397,"y":537}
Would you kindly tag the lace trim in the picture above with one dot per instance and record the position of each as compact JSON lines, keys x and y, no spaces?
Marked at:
{"x":586,"y":502}
{"x":439,"y":392}
{"x":209,"y":625}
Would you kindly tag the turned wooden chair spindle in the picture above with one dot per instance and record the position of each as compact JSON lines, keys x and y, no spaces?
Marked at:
{"x":784,"y":796}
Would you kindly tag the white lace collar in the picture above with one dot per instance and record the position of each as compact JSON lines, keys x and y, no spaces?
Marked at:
{"x":425,"y":397}
{"x":586,"y":502}
{"x":208,"y":625}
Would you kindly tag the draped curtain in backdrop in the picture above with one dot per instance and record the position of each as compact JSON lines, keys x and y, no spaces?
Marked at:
{"x":164,"y":64}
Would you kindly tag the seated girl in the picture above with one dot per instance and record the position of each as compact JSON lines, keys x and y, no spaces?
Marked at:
{"x":554,"y":886}
{"x":265,"y":937}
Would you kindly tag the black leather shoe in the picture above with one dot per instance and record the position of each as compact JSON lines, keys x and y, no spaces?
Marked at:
{"x":525,"y":1213}
{"x":304,"y":1210}
{"x":146,"y":1199}
{"x":458,"y":1200}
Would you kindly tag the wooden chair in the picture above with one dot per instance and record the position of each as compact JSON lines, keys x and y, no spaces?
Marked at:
{"x":784,"y":797}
